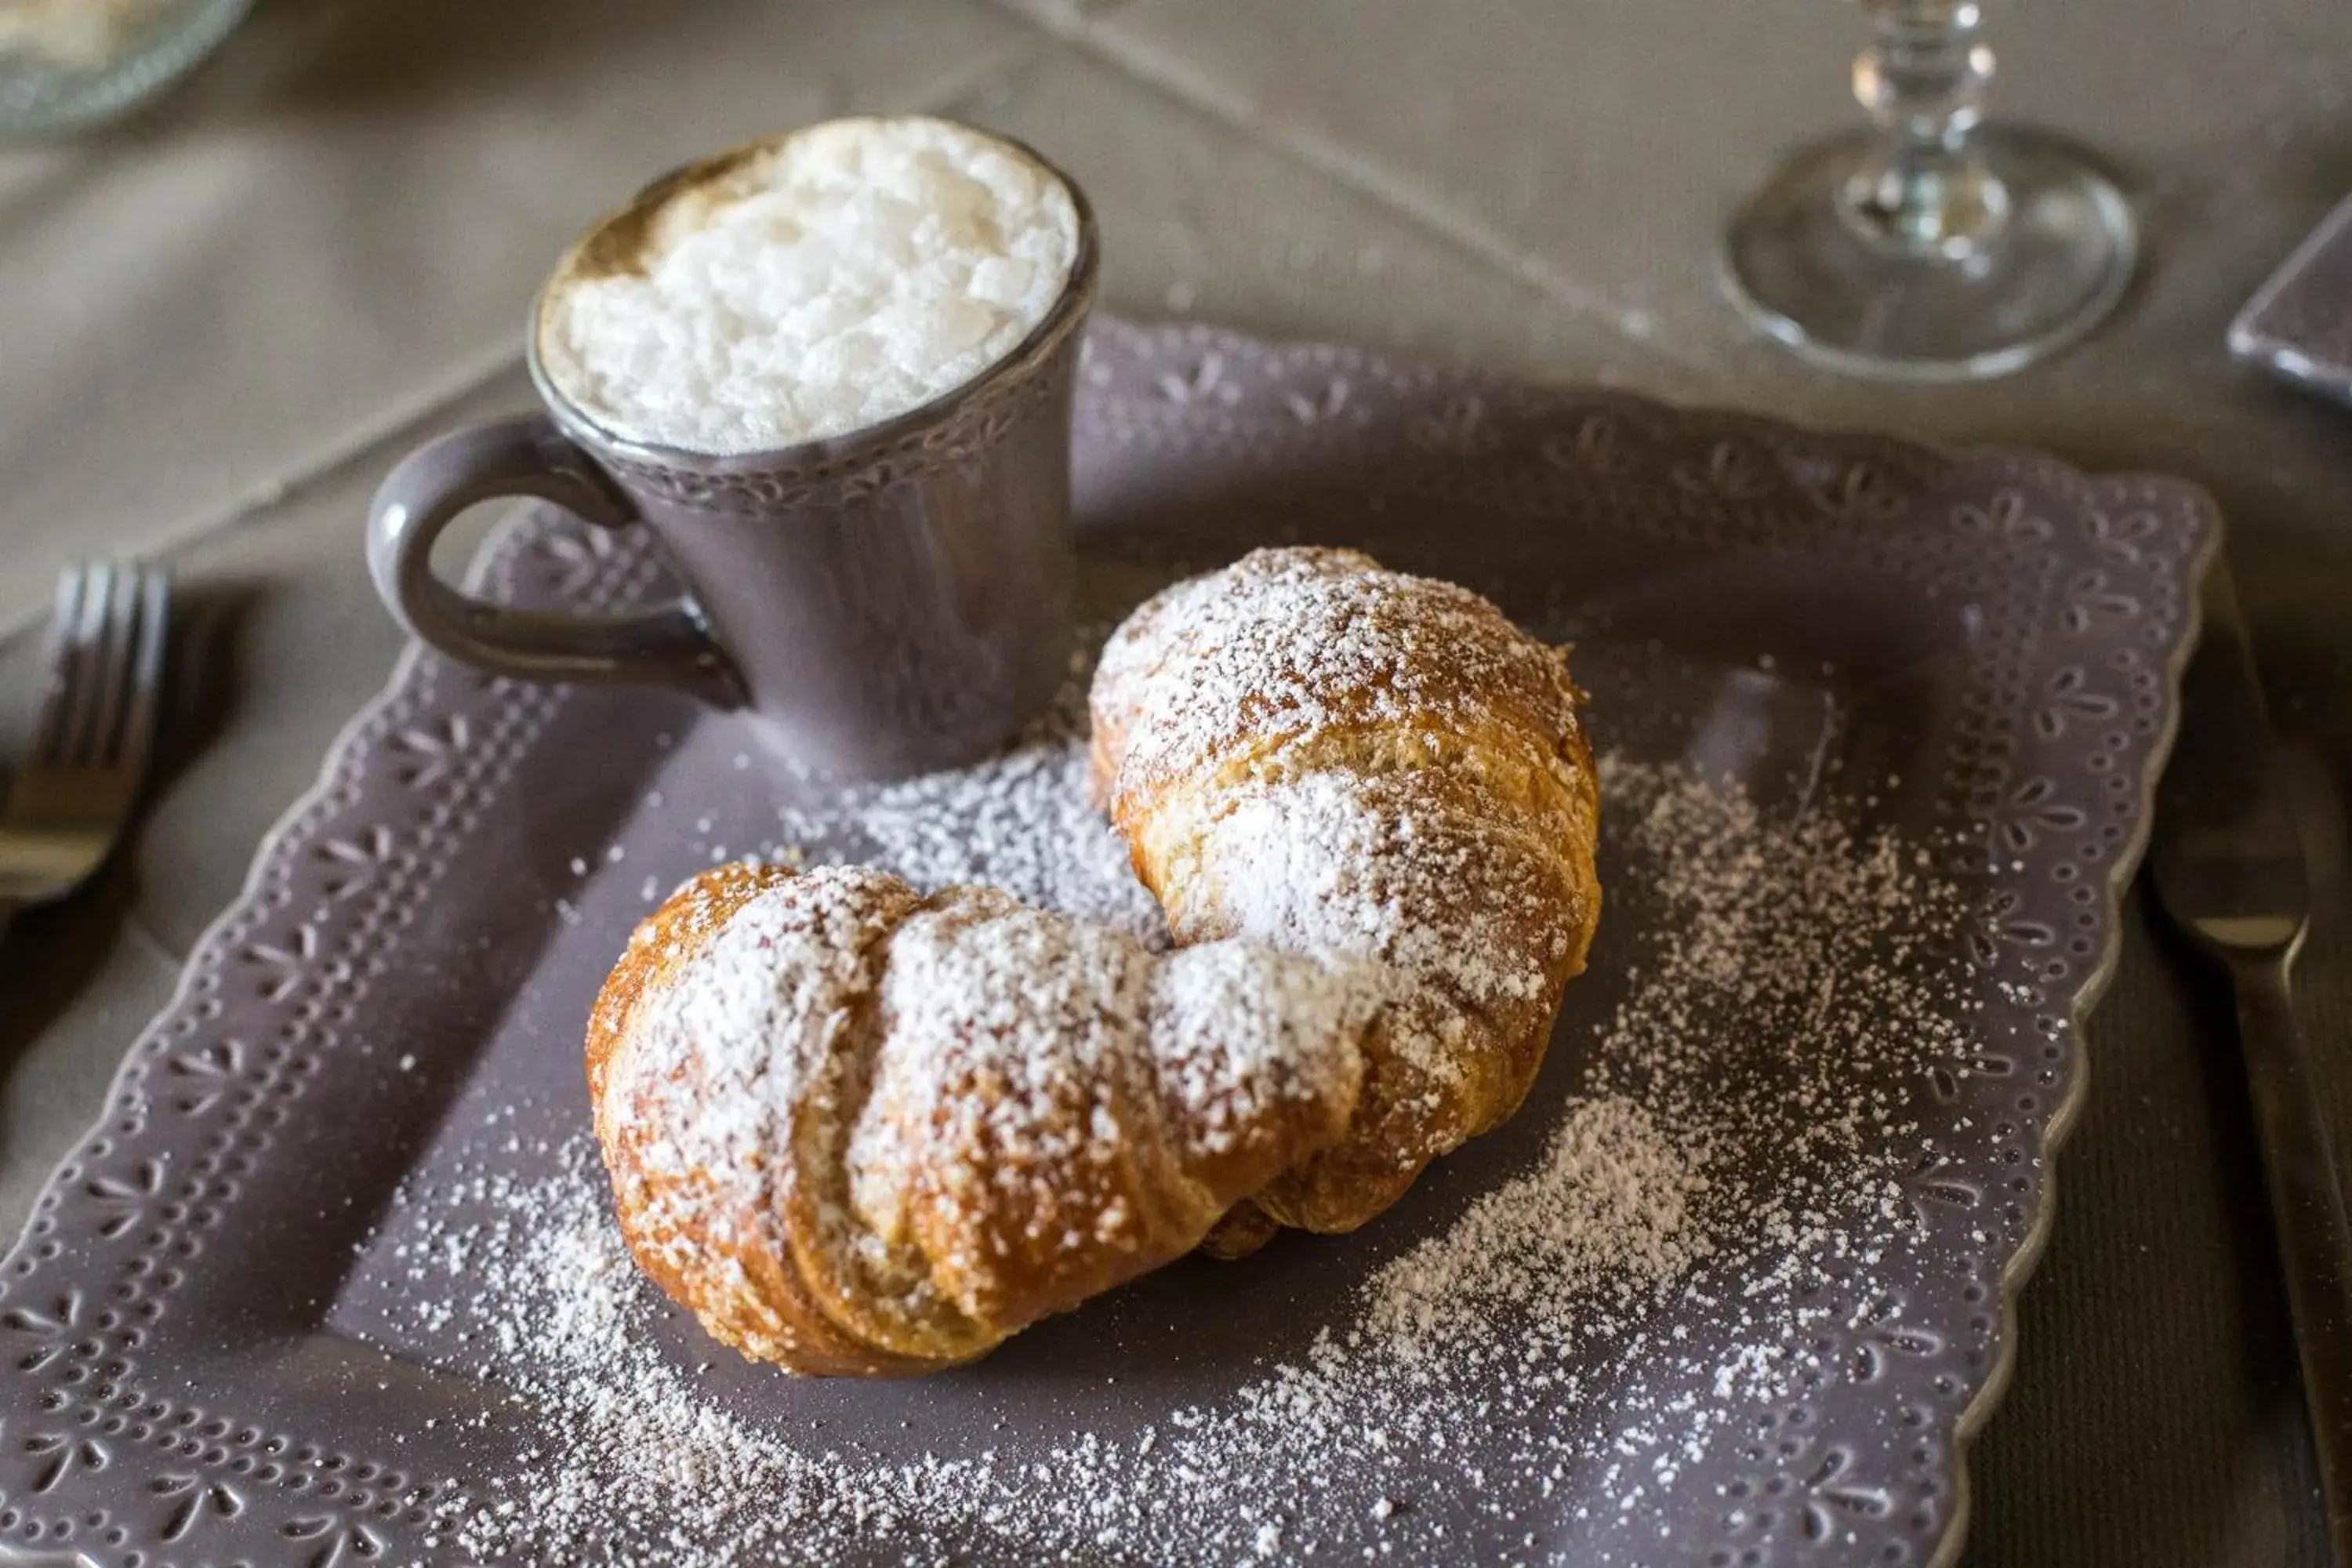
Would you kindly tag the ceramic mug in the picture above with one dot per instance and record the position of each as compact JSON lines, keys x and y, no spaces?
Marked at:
{"x":884,"y":601}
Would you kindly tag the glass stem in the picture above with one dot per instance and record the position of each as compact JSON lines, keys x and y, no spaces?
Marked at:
{"x":1925,"y":190}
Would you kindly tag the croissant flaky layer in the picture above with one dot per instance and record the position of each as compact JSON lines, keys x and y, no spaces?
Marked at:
{"x":859,"y":1131}
{"x":1307,"y":750}
{"x":856,"y":1130}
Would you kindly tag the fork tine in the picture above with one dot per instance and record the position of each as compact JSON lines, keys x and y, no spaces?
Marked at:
{"x":117,"y":649}
{"x":49,"y":729}
{"x":140,"y":710}
{"x":84,"y":650}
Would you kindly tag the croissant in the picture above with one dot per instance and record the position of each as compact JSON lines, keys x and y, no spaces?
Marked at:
{"x":1308,"y":751}
{"x":859,"y":1131}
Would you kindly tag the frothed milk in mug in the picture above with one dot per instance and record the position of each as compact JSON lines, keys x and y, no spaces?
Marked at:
{"x":831,"y":375}
{"x":810,"y":287}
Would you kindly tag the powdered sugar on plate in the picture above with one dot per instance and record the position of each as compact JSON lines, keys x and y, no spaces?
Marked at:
{"x":1022,"y":821}
{"x":1511,"y":1376}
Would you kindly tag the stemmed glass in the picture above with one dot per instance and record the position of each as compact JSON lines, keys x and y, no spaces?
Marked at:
{"x":1928,"y":248}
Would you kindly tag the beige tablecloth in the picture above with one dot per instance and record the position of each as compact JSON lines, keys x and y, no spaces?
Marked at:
{"x":219,"y":323}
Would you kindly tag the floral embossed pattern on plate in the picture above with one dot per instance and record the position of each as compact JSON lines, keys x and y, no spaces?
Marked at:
{"x":1994,"y":635}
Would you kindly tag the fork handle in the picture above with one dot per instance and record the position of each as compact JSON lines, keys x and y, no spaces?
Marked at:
{"x":2307,"y":1211}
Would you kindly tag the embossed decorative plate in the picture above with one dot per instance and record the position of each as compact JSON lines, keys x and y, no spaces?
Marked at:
{"x":202,"y":1332}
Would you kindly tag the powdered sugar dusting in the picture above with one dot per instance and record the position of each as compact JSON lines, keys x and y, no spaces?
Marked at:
{"x":1029,"y":1075}
{"x":1330,"y":861}
{"x":1021,"y":821}
{"x":1534,"y":1349}
{"x":1309,"y":750}
{"x":1606,"y":1213}
{"x":1234,"y":1026}
{"x":1287,"y":642}
{"x":718,"y":1058}
{"x":1041,"y":1059}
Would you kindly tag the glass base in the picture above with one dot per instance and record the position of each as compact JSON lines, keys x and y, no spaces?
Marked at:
{"x":42,"y":97}
{"x":1809,"y":265}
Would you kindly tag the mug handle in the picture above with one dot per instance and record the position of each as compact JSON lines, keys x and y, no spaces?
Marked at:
{"x":665,"y":645}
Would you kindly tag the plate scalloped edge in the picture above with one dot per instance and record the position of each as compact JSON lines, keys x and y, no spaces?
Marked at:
{"x":1202,"y":377}
{"x":2019,"y":1268}
{"x":191,"y":1473}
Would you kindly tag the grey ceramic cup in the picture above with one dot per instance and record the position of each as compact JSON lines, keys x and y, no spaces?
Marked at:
{"x":885,"y":602}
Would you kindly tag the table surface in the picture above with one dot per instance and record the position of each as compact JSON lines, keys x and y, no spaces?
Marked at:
{"x":222,"y":322}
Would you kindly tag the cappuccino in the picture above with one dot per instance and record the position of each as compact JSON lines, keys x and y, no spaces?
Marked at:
{"x":809,"y":287}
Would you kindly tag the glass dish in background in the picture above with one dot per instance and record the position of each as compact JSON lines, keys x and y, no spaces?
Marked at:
{"x":68,"y":64}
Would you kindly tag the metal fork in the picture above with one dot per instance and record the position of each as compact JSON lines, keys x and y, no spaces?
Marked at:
{"x":73,"y":794}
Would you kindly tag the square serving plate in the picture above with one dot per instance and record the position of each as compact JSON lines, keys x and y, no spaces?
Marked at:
{"x":211,"y":1330}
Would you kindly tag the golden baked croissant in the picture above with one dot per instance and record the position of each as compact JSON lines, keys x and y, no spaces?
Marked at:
{"x":1315,"y":754}
{"x":856,"y":1130}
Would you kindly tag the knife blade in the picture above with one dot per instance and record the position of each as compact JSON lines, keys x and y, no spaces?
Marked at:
{"x":2229,"y":870}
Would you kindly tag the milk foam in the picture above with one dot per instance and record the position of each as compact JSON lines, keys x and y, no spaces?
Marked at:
{"x":811,"y":286}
